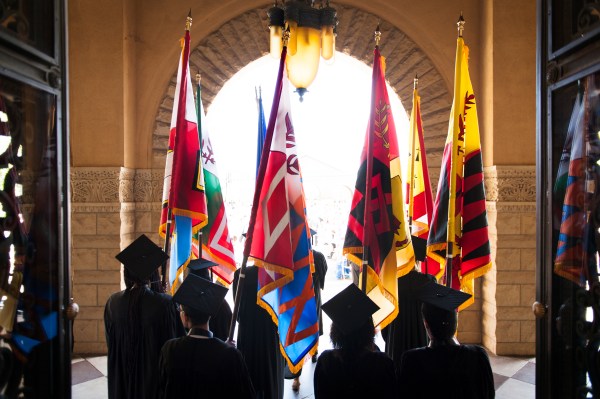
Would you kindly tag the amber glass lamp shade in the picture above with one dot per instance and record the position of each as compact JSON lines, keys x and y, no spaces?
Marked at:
{"x":302,"y":67}
{"x":276,"y":33}
{"x":327,"y":42}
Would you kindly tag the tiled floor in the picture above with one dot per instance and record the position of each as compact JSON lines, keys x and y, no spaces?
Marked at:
{"x":514,"y":378}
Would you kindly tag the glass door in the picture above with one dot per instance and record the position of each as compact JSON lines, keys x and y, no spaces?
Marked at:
{"x":568,"y":291}
{"x":35,"y":333}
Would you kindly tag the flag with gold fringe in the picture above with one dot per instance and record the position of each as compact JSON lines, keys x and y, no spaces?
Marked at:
{"x":216,"y":243}
{"x":574,"y":190}
{"x":183,"y":190}
{"x":459,"y":216}
{"x":382,"y":229}
{"x":419,"y":198}
{"x":281,"y":241}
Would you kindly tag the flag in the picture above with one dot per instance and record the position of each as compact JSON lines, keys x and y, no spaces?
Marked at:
{"x":573,"y":190}
{"x":460,"y":201}
{"x":262,"y":129}
{"x":419,"y":197}
{"x":281,"y":242}
{"x":216,"y":243}
{"x":385,"y":229}
{"x":183,"y":189}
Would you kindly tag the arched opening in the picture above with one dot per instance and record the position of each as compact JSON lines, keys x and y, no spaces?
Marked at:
{"x":330,"y":127}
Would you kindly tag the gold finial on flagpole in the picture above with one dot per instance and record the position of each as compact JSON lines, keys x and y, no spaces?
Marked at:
{"x":460,"y":25}
{"x":286,"y":36}
{"x":188,"y":21}
{"x":377,"y":35}
{"x":198,"y":78}
{"x":416,"y":81}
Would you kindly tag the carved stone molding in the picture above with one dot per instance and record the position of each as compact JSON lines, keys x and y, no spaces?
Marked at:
{"x":516,"y":183}
{"x":490,"y":181}
{"x":148,"y":185}
{"x":126,"y":185}
{"x":96,"y":185}
{"x":95,"y":207}
{"x":516,"y":207}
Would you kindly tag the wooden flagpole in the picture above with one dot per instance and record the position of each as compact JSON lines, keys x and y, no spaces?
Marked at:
{"x":367,"y":213}
{"x":188,"y":25}
{"x":259,"y":182}
{"x":452,"y":183}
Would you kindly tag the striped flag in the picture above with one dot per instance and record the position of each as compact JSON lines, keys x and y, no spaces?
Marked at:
{"x":384,"y":231}
{"x":419,"y":197}
{"x":460,"y":202}
{"x":281,"y":243}
{"x":183,"y":189}
{"x":216,"y":243}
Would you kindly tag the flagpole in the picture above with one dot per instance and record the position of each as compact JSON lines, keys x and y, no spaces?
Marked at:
{"x":188,"y":25}
{"x":450,"y":236}
{"x":411,"y":184}
{"x":259,"y":182}
{"x":369,"y":171}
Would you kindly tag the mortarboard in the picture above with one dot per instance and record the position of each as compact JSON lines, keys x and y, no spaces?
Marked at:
{"x":420,"y":247}
{"x":199,"y":264}
{"x":350,"y":309}
{"x":441,"y":296}
{"x":142,"y":257}
{"x":200,"y":294}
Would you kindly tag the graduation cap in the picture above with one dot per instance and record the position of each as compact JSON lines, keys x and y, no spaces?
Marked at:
{"x":420,"y":247}
{"x":142,"y":257}
{"x":350,"y":309}
{"x":199,"y":264}
{"x":441,"y":296}
{"x":200,"y":294}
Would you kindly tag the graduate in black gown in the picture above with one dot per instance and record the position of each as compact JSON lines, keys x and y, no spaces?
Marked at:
{"x":444,"y":369}
{"x":220,"y":322}
{"x":138,"y":321}
{"x":258,"y":340}
{"x":354,"y":368}
{"x":199,"y":365}
{"x":407,"y":331}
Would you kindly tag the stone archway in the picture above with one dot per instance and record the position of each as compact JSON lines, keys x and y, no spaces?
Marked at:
{"x":245,"y":38}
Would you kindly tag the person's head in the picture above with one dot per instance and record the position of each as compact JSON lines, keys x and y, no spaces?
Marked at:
{"x":199,"y":300}
{"x":193,"y":317}
{"x":361,"y":338}
{"x":440,"y":323}
{"x":132,"y":279}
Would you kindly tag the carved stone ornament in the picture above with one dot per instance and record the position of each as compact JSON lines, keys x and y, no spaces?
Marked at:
{"x":516,"y":183}
{"x":149,"y":185}
{"x":96,"y":185}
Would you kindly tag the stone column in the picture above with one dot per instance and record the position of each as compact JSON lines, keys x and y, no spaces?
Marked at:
{"x":509,"y":289}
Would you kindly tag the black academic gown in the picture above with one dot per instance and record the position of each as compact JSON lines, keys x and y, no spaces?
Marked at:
{"x":407,"y":331}
{"x":319,"y":283}
{"x":258,"y":341}
{"x":220,"y":323}
{"x":366,"y":375}
{"x":160,"y":322}
{"x":449,"y":372}
{"x":200,"y":366}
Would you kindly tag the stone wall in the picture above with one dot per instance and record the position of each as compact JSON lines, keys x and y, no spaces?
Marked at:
{"x":110,"y":208}
{"x":96,"y":239}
